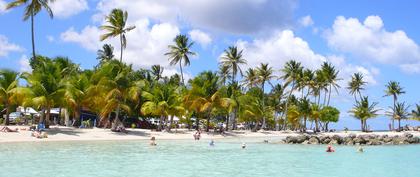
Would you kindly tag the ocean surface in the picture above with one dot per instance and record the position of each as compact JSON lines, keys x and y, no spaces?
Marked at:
{"x":196,"y":158}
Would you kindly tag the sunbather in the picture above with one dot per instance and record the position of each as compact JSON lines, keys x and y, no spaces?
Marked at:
{"x":7,"y":129}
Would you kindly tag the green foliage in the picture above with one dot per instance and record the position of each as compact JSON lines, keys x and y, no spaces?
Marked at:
{"x":329,"y":114}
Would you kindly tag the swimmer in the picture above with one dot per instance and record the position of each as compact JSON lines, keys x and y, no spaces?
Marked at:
{"x":360,"y":149}
{"x":153,"y":141}
{"x":211,"y":143}
{"x":330,"y":149}
{"x":243,"y":145}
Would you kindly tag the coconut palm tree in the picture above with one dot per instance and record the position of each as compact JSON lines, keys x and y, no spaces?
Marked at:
{"x":233,"y":60}
{"x":363,"y":110}
{"x":8,"y":85}
{"x":400,"y":112}
{"x":315,"y":115}
{"x":331,"y":76}
{"x":264,"y":74}
{"x":157,"y":71}
{"x":415,"y":113}
{"x":251,"y":78}
{"x":117,"y":21}
{"x":33,"y":7}
{"x":356,"y":85}
{"x":291,"y":72}
{"x":304,"y":108}
{"x":394,"y":89}
{"x":76,"y":94}
{"x":47,"y":87}
{"x":277,"y":95}
{"x":105,"y":54}
{"x":180,"y":53}
{"x":223,"y":74}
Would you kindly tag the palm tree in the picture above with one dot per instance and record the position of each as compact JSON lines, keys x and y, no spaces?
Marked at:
{"x":304,"y":108}
{"x":157,"y":71}
{"x":331,"y":76}
{"x":233,"y":60}
{"x":356,"y":85}
{"x":251,"y":78}
{"x":223,"y":74}
{"x":277,"y":94}
{"x":400,"y":112}
{"x":264,"y":74}
{"x":76,"y":94}
{"x":393,"y":89}
{"x":33,"y":7}
{"x":315,"y":115}
{"x":291,"y":72}
{"x":117,"y":20}
{"x":363,"y":110}
{"x":180,"y":52}
{"x":415,"y":113}
{"x":106,"y":53}
{"x":8,"y":85}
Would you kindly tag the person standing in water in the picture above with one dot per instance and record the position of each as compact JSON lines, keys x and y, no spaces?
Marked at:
{"x":243,"y":145}
{"x":330,"y":149}
{"x":211,"y":143}
{"x":360,"y":149}
{"x":153,"y":141}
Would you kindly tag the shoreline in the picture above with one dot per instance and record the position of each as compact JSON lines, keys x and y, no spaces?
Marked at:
{"x":69,"y":134}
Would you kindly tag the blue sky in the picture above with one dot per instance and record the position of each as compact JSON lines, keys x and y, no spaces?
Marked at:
{"x":378,"y":38}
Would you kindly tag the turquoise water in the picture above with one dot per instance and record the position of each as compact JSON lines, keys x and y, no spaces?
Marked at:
{"x":189,"y":158}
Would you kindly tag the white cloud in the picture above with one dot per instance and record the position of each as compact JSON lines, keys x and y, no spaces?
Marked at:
{"x":284,"y":46}
{"x":50,"y":38}
{"x":3,"y":5}
{"x":88,"y":38}
{"x":6,"y":47}
{"x":67,"y":8}
{"x":278,"y":49}
{"x":221,"y":15}
{"x":202,"y":38}
{"x":146,"y":44}
{"x":371,"y":41}
{"x":306,"y":21}
{"x":24,"y":64}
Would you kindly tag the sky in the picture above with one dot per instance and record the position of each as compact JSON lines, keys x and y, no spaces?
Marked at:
{"x":377,"y":38}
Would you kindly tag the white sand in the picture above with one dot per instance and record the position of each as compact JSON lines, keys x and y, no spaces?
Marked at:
{"x":75,"y":134}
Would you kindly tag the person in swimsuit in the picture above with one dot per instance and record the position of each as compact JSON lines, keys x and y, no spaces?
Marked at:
{"x":153,"y":141}
{"x":330,"y":149}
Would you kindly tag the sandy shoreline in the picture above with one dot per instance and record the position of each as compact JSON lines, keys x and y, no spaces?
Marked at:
{"x":98,"y":134}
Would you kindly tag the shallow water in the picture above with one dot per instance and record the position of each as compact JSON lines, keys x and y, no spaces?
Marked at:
{"x":189,"y":158}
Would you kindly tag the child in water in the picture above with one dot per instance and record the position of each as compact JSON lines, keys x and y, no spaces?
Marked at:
{"x":243,"y":146}
{"x":360,"y":149}
{"x":211,"y":143}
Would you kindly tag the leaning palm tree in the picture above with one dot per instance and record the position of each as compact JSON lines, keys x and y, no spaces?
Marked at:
{"x":33,"y":7}
{"x":233,"y":60}
{"x":8,"y":83}
{"x":180,"y":52}
{"x":264,"y":74}
{"x":157,"y":72}
{"x":105,"y":54}
{"x":356,"y":85}
{"x":117,"y":20}
{"x":393,"y":89}
{"x":363,"y":110}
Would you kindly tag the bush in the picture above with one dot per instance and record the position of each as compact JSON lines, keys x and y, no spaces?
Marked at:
{"x":1,"y":120}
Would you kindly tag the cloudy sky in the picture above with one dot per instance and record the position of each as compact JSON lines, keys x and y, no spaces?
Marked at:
{"x":377,"y":38}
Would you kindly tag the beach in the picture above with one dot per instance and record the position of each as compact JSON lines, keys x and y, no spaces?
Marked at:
{"x":61,"y":133}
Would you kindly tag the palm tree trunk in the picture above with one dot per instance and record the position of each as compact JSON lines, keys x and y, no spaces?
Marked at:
{"x":121,"y":42}
{"x":7,"y":121}
{"x":117,"y":119}
{"x":286,"y":106}
{"x":263,"y":104}
{"x":208,"y":124}
{"x":182,"y":74}
{"x":361,"y":124}
{"x":393,"y":114}
{"x":171,"y":122}
{"x":47,"y":118}
{"x":33,"y":35}
{"x":329,"y":96}
{"x":235,"y":110}
{"x":399,"y":124}
{"x":227,"y":122}
{"x":325,"y":98}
